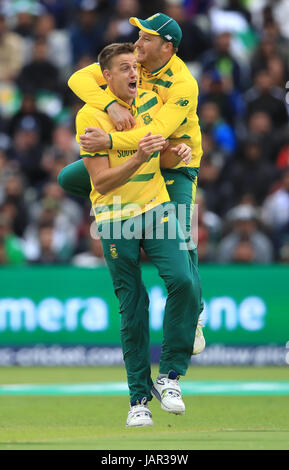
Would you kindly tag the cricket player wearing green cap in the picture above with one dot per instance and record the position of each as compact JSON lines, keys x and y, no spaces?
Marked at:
{"x":162,"y":71}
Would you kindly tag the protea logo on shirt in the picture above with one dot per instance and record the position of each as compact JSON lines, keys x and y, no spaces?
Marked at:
{"x":182,"y":102}
{"x":113,"y":251}
{"x":146,"y":118}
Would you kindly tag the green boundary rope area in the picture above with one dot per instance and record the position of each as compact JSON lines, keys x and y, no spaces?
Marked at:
{"x":120,"y":388}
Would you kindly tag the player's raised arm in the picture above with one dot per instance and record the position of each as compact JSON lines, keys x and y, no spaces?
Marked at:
{"x":86,"y":84}
{"x":182,"y":101}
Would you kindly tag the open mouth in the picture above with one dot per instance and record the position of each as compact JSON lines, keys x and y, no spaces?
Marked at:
{"x":132,"y":85}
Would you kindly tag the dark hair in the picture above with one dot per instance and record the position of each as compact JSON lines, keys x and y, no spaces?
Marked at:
{"x":109,"y":52}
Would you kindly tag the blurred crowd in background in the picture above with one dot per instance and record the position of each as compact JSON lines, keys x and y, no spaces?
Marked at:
{"x":239,"y":53}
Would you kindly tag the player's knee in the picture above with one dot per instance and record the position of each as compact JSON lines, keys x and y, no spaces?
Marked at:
{"x":182,"y":281}
{"x":62,"y":179}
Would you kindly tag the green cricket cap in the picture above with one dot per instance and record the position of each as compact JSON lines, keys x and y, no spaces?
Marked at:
{"x":160,"y":25}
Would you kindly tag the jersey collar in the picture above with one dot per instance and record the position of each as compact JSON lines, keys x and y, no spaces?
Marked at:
{"x":132,"y":108}
{"x":160,"y":71}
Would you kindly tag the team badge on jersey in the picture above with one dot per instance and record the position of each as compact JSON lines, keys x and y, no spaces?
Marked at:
{"x":113,"y":251}
{"x":146,"y":118}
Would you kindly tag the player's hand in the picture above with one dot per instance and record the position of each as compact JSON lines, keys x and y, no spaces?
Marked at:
{"x":184,"y":152}
{"x":148,"y":145}
{"x":94,"y":139}
{"x":121,"y":117}
{"x":166,"y":146}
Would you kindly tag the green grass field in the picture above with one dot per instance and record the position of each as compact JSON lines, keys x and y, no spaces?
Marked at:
{"x":78,"y":422}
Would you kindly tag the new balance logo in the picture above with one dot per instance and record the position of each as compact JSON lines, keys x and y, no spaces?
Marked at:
{"x":182,"y":102}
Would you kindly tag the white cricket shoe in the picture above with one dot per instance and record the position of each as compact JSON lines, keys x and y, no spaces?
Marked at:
{"x":168,"y":392}
{"x":200,"y":342}
{"x":139,"y":415}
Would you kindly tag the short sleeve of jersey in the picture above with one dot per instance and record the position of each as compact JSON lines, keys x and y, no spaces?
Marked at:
{"x":86,"y":119}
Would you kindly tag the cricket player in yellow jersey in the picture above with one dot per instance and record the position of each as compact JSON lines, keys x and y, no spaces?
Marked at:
{"x":162,"y":71}
{"x":135,"y":177}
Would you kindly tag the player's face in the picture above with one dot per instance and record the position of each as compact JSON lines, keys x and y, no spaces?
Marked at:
{"x":149,"y":49}
{"x":123,"y":77}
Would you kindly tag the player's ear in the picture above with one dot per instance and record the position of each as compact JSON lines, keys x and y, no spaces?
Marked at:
{"x":106,"y":74}
{"x":168,"y":46}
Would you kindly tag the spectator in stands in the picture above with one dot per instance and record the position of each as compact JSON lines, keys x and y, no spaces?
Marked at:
{"x":92,"y":256}
{"x":279,"y":73}
{"x":29,"y":108}
{"x":52,"y":163}
{"x":280,"y":13}
{"x":216,"y":89}
{"x":58,"y":44}
{"x":195,"y":41}
{"x":272,"y":30}
{"x":67,"y":212}
{"x":63,"y":11}
{"x":219,"y":58}
{"x":283,"y":255}
{"x":266,"y":49}
{"x":86,"y":34}
{"x":244,"y":252}
{"x":15,"y":204}
{"x":282,"y":159}
{"x":63,"y":141}
{"x":260,"y":125}
{"x":12,"y":49}
{"x":209,"y":229}
{"x":119,"y":28}
{"x":212,"y":150}
{"x":245,"y":242}
{"x":251,"y":173}
{"x":275,"y":211}
{"x":263,"y":97}
{"x":27,"y":151}
{"x":6,"y":170}
{"x":238,"y":6}
{"x":212,"y":121}
{"x":24,"y":16}
{"x":11,"y":250}
{"x":64,"y":150}
{"x":217,"y":190}
{"x":63,"y":236}
{"x":39,"y":73}
{"x":47,"y":254}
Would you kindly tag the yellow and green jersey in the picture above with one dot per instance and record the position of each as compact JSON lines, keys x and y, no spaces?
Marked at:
{"x":177,"y":119}
{"x":146,"y":188}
